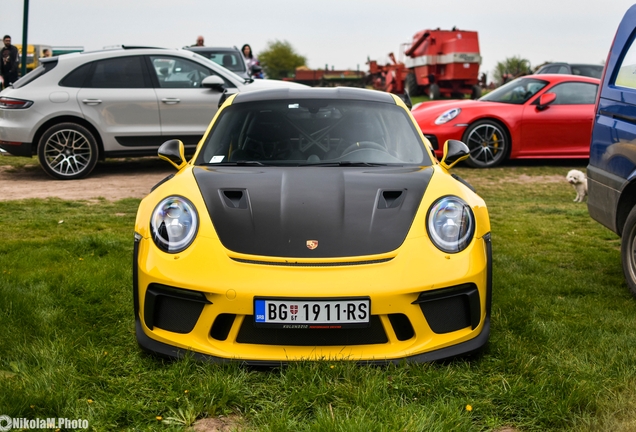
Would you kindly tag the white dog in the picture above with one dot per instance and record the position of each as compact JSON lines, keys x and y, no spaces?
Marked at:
{"x":579,"y":182}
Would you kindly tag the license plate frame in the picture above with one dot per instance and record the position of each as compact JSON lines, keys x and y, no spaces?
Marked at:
{"x":262,"y":313}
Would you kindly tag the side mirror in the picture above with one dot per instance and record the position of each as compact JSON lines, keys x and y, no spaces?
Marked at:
{"x":546,"y":99}
{"x":214,"y":82}
{"x":173,"y":151}
{"x":454,"y":151}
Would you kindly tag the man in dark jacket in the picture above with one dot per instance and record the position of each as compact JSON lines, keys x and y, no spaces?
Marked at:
{"x":9,"y":62}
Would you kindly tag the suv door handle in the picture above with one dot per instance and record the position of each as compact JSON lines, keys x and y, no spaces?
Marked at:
{"x":92,"y":101}
{"x":170,"y":101}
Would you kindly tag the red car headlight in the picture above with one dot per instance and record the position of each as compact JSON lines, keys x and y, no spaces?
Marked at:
{"x":447,"y":116}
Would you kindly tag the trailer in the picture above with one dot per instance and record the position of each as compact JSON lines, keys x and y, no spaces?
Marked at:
{"x":443,"y":63}
{"x":438,"y":63}
{"x":328,"y":78}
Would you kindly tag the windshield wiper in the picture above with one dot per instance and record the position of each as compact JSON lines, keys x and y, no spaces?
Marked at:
{"x":347,"y":163}
{"x":237,"y":163}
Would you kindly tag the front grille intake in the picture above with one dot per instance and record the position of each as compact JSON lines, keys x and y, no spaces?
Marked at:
{"x":250,"y":334}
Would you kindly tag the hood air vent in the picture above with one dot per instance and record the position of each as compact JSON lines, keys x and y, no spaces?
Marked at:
{"x":391,"y":198}
{"x":234,"y":198}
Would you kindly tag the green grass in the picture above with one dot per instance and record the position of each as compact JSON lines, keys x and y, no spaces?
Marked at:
{"x":18,"y":162}
{"x":561,"y":354}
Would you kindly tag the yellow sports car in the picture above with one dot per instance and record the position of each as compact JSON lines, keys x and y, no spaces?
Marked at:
{"x":312,"y":224}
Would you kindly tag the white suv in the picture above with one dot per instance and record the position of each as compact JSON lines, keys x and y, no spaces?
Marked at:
{"x":77,"y":108}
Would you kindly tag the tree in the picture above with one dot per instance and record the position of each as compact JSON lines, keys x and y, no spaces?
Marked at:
{"x":280,"y":60}
{"x":512,"y":67}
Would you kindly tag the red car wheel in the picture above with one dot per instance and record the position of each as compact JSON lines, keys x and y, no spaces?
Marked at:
{"x":488,"y":143}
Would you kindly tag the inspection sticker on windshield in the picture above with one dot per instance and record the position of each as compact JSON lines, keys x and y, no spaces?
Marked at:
{"x":312,"y":313}
{"x":217,"y":159}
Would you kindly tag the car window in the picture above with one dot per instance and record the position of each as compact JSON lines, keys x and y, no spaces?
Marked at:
{"x":626,"y":76}
{"x":590,"y":71}
{"x":118,"y":72}
{"x":574,"y":93}
{"x":43,"y":68}
{"x":307,"y":132}
{"x":175,"y":72}
{"x":516,"y":92}
{"x":77,"y":77}
{"x":228,"y":60}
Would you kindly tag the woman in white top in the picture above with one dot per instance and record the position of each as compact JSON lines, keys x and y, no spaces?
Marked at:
{"x":250,"y":60}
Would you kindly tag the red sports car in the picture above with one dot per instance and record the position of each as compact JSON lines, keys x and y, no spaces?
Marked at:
{"x":533,"y":117}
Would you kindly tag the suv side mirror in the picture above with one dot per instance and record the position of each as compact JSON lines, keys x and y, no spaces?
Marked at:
{"x":214,"y":82}
{"x":454,"y":151}
{"x":173,"y":151}
{"x":546,"y":99}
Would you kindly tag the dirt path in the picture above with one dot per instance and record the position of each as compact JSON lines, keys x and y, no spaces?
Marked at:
{"x":112,"y":181}
{"x":133,"y":178}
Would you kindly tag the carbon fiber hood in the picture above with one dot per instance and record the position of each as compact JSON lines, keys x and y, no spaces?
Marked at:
{"x":276,"y":211}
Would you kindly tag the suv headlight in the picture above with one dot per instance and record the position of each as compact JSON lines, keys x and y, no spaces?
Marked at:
{"x":450,"y":224}
{"x":447,"y":116}
{"x":174,"y":224}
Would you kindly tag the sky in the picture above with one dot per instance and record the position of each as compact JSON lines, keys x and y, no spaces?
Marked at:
{"x":339,"y":33}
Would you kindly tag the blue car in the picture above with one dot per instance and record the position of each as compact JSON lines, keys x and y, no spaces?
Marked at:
{"x":612,"y":167}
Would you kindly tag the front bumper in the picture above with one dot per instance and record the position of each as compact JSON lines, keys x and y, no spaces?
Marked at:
{"x":439,"y":134}
{"x":214,"y":320}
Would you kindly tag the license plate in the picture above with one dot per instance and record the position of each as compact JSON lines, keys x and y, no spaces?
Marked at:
{"x":312,"y":313}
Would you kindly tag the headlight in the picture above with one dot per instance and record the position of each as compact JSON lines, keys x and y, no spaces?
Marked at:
{"x":174,"y":224}
{"x":448,"y":116}
{"x":451,"y":224}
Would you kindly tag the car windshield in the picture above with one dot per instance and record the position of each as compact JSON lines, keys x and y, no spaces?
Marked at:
{"x":229,"y":60}
{"x":225,"y":70}
{"x":516,"y":92}
{"x":594,"y":71}
{"x":313,"y":132}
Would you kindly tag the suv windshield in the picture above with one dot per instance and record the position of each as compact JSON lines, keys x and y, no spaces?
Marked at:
{"x":516,"y":92}
{"x":313,"y":132}
{"x":227,"y":59}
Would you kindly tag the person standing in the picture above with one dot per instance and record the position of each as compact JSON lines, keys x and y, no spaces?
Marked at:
{"x":199,"y":42}
{"x":46,"y":52}
{"x":9,"y":62}
{"x":250,"y":60}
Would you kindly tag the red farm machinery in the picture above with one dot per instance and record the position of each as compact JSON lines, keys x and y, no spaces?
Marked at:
{"x":438,"y":63}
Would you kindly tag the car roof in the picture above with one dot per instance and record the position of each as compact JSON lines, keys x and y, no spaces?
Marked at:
{"x":88,"y":56}
{"x":340,"y":93}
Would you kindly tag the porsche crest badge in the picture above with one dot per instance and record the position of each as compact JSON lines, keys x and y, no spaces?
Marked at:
{"x":312,"y":244}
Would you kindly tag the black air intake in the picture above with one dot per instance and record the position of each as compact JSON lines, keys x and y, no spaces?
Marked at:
{"x":172,"y":309}
{"x":391,"y":198}
{"x":234,"y":198}
{"x":450,"y":309}
{"x":250,"y":334}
